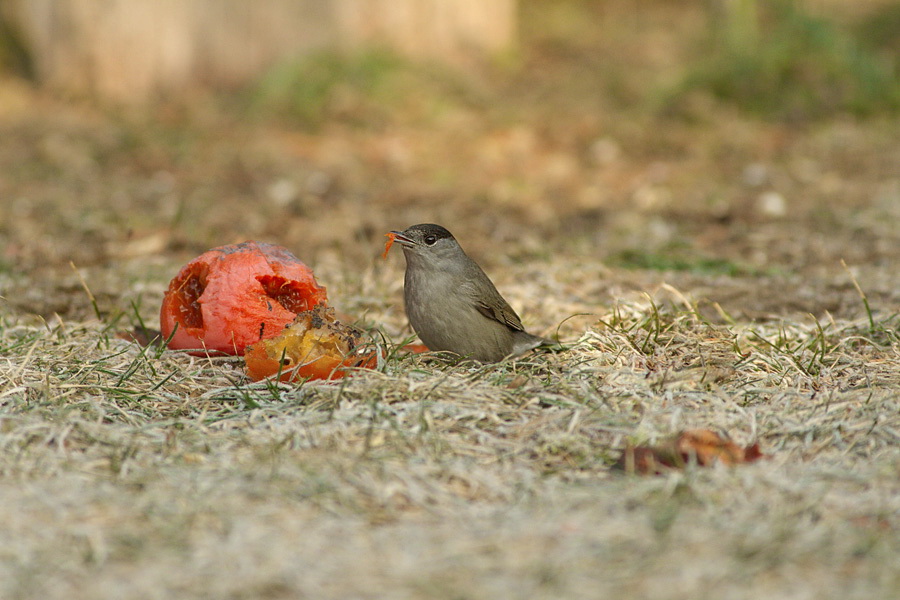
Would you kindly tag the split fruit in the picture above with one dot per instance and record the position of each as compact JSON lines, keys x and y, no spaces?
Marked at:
{"x":314,"y":346}
{"x":233,"y":296}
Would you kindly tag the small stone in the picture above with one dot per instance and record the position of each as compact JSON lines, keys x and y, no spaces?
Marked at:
{"x":755,"y":174}
{"x":282,"y":192}
{"x":318,"y":183}
{"x":162,"y":182}
{"x":772,"y":204}
{"x":605,"y":151}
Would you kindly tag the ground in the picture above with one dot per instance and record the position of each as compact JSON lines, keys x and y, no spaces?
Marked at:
{"x":709,"y":267}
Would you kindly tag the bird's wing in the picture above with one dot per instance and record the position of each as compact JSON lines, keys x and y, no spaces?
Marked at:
{"x":491,"y":304}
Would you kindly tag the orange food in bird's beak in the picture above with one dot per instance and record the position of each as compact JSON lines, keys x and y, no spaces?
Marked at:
{"x":387,"y":245}
{"x":233,"y":296}
{"x":314,"y":346}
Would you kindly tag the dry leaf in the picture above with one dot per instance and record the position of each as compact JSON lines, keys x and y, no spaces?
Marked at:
{"x":701,"y":446}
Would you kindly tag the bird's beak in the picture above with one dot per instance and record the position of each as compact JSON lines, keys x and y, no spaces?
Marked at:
{"x":403,"y":239}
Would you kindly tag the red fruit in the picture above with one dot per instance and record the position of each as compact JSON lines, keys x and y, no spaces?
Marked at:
{"x":233,"y":296}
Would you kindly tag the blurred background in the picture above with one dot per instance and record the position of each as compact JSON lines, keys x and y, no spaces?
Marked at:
{"x":725,"y":143}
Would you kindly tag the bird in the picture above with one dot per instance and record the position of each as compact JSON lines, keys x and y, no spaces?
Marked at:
{"x":452,"y":304}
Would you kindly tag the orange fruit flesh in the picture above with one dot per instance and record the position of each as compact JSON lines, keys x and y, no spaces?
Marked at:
{"x":314,"y":346}
{"x":232,"y":296}
{"x":387,"y":244}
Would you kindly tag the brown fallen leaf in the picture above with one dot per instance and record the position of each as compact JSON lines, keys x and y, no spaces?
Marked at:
{"x":702,"y":446}
{"x":709,"y":447}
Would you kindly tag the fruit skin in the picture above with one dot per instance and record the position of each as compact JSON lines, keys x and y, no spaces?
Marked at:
{"x":233,"y":296}
{"x":314,"y":346}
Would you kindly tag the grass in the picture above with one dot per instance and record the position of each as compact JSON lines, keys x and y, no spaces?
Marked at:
{"x":157,"y":469}
{"x":362,"y":89}
{"x":675,"y":260}
{"x":778,"y":60}
{"x":14,"y":57}
{"x":308,"y":91}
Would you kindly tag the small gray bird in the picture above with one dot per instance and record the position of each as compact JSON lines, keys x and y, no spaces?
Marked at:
{"x":451,"y":302}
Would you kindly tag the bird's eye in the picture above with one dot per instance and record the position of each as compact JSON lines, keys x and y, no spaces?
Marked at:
{"x":430,"y":240}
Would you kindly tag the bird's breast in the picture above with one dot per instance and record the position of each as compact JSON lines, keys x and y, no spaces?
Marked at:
{"x":445,"y":317}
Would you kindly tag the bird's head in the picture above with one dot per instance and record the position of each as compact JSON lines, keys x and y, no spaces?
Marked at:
{"x":428,"y":244}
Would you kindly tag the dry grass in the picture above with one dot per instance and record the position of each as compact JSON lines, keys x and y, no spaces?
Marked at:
{"x":131,"y":472}
{"x":642,"y":238}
